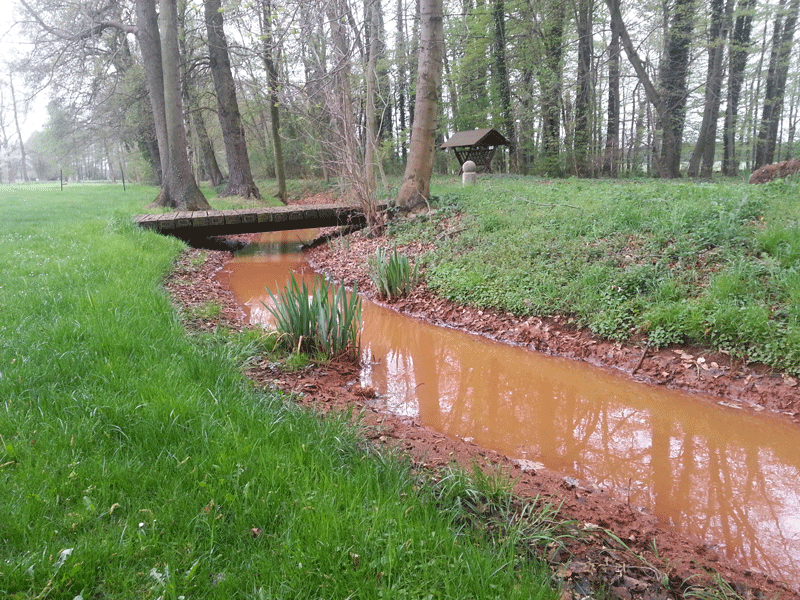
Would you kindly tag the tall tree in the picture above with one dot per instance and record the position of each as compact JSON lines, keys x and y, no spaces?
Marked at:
{"x":674,"y":81}
{"x":739,"y":51}
{"x":669,"y":101}
{"x":584,"y":13}
{"x":208,"y":166}
{"x":269,"y":50}
{"x":502,"y":85}
{"x":551,"y":83}
{"x":472,"y":61}
{"x":4,"y":139}
{"x":78,"y":32}
{"x":240,"y":177}
{"x":372,"y":123}
{"x":782,"y":40}
{"x":15,"y":109}
{"x":402,"y":82}
{"x":612,"y":155}
{"x":705,"y":147}
{"x":416,"y":184}
{"x":179,"y":189}
{"x":207,"y":154}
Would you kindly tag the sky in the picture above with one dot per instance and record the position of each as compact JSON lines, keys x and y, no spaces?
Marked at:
{"x":10,"y":45}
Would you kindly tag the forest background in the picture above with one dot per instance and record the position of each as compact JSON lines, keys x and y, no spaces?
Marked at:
{"x":322,"y":88}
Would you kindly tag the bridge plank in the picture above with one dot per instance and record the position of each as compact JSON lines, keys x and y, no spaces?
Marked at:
{"x":201,"y":218}
{"x":248,"y":215}
{"x":231,"y":217}
{"x":227,"y":222}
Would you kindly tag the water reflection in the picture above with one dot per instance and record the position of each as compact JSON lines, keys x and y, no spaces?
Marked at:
{"x":724,"y":475}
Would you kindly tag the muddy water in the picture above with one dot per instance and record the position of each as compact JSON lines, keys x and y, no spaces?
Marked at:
{"x":729,"y":477}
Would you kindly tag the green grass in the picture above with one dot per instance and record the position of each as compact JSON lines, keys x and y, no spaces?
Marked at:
{"x":666,"y":262}
{"x":136,"y":462}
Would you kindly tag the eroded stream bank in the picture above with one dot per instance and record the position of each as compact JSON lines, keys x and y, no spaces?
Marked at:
{"x":723,"y":475}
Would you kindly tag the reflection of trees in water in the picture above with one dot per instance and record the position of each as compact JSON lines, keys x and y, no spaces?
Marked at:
{"x":684,"y":463}
{"x":720,"y":474}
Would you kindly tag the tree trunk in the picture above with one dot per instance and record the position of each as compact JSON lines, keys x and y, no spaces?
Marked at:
{"x":402,"y":82}
{"x":452,"y":90}
{"x":150,"y":46}
{"x":371,"y":126}
{"x":674,"y":76}
{"x":707,"y":137}
{"x":207,"y":153}
{"x":709,"y":154}
{"x":793,"y":119}
{"x":550,"y":81}
{"x":670,"y":104}
{"x":240,"y":178}
{"x":274,"y":107}
{"x":161,"y":58}
{"x":180,"y":189}
{"x":612,"y":155}
{"x":23,"y":159}
{"x":739,"y":49}
{"x":206,"y":166}
{"x":415,"y":188}
{"x":501,"y":82}
{"x":583,"y":96}
{"x":776,"y":82}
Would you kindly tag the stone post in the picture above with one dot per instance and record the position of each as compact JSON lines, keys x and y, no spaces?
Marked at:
{"x":468,"y":173}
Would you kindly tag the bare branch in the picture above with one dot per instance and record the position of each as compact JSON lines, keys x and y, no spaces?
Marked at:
{"x":93,"y":31}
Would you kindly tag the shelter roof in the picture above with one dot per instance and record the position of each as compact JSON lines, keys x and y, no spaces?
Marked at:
{"x":477,"y":138}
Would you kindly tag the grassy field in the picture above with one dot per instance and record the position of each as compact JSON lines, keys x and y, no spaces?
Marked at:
{"x":661,"y":262}
{"x":136,"y":462}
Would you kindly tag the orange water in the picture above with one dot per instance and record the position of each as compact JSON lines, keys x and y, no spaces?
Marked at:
{"x":725,"y":475}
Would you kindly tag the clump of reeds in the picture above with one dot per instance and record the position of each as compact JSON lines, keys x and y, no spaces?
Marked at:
{"x":323,"y":321}
{"x":392,"y":274}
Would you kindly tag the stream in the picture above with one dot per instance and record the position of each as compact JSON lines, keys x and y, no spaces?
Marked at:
{"x":728,"y":476}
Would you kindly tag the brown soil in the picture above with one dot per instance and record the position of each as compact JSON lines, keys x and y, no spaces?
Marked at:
{"x":626,"y":567}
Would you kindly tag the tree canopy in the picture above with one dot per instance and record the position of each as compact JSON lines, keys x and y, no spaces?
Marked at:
{"x":327,"y":88}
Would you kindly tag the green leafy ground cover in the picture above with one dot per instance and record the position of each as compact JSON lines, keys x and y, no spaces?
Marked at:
{"x":136,"y":462}
{"x":666,"y":262}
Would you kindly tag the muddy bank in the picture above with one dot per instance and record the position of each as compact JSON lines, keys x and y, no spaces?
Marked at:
{"x":750,"y":387}
{"x":634,"y":565}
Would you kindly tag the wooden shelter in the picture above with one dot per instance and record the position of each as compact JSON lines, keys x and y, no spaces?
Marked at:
{"x":477,"y":145}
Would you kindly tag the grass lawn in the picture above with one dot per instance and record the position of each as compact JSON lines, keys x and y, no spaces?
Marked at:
{"x":664,"y":262}
{"x":136,"y":462}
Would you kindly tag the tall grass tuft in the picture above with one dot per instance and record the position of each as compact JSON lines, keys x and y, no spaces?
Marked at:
{"x":392,"y":275}
{"x":323,"y":321}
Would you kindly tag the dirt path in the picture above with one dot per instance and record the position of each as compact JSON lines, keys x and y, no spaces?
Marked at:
{"x":627,"y":563}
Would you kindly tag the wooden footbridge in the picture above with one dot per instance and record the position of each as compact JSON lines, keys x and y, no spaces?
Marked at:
{"x":208,"y":223}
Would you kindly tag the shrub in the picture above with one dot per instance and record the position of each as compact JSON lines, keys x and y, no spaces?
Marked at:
{"x":325,"y":321}
{"x":393,"y":276}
